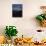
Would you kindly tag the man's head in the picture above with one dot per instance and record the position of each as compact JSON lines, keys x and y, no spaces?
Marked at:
{"x":43,"y":8}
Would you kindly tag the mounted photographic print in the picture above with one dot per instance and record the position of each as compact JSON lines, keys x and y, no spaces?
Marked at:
{"x":16,"y":10}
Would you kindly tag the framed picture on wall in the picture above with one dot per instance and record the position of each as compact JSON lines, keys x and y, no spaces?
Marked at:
{"x":16,"y":10}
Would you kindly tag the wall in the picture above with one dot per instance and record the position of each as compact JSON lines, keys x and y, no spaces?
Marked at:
{"x":26,"y":25}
